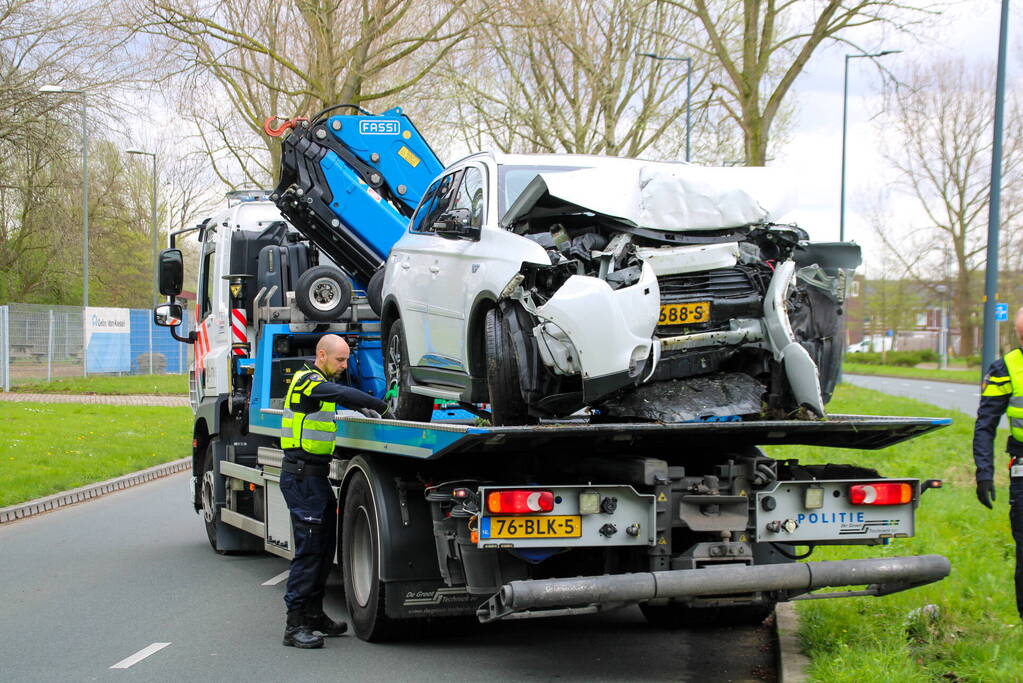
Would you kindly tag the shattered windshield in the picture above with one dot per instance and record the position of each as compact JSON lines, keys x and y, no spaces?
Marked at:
{"x":512,"y":180}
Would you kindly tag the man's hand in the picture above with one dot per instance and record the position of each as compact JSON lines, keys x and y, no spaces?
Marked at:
{"x":388,"y":414}
{"x":986,"y":492}
{"x":370,"y":413}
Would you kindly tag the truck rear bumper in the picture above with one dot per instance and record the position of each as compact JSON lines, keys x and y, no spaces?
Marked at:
{"x":881,"y":576}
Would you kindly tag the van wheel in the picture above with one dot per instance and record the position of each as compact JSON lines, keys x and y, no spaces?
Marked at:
{"x":507,"y":406}
{"x":323,"y":293}
{"x":360,"y":547}
{"x":375,"y":292}
{"x":403,"y":403}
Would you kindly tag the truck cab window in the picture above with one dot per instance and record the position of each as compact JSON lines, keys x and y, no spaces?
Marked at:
{"x":206,"y":295}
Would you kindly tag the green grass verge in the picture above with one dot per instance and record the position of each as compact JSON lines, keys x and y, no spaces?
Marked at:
{"x":48,"y":448}
{"x":976,"y":637}
{"x":115,"y":386}
{"x":971,"y":376}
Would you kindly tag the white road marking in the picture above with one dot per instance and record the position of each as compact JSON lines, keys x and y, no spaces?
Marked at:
{"x":139,"y":656}
{"x":277,"y":579}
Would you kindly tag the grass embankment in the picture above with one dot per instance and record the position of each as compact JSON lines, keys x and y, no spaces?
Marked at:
{"x":48,"y":448}
{"x":971,"y":376}
{"x":115,"y":386}
{"x":976,"y":636}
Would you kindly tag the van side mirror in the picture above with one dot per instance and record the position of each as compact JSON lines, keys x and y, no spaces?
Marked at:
{"x":455,"y":224}
{"x":172,"y":272}
{"x":168,"y":315}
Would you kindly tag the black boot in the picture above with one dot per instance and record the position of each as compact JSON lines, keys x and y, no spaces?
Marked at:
{"x":299,"y":634}
{"x":317,"y":620}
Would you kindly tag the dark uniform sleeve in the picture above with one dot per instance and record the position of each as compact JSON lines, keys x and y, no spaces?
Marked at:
{"x":349,"y":397}
{"x":994,"y":399}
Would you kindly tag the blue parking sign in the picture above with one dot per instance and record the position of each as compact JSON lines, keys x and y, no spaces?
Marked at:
{"x":1001,"y":312}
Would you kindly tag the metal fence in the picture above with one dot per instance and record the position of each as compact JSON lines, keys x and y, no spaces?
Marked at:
{"x":41,"y":343}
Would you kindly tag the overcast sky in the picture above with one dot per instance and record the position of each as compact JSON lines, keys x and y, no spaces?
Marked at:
{"x":814,"y":151}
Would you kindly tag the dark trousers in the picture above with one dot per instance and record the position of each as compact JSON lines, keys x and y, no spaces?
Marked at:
{"x":1016,"y":518}
{"x":313,"y":508}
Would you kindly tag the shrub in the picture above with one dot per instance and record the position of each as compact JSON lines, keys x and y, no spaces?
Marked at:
{"x":902,"y":358}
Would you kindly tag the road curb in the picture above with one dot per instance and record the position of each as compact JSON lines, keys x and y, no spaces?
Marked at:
{"x":65,"y":498}
{"x":792,"y":663}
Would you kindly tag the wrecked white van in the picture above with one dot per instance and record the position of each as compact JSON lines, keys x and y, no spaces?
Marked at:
{"x":642,"y":290}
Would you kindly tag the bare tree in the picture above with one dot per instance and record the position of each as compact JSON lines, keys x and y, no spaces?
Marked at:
{"x":296,"y":56}
{"x":762,"y":47}
{"x":939,"y":129}
{"x":569,"y":77}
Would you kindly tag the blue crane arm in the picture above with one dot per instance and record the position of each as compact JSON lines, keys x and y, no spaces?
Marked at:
{"x":350,"y":183}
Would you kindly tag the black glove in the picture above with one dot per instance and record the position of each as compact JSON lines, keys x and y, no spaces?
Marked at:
{"x":370,"y":413}
{"x":388,"y":414}
{"x":986,"y":492}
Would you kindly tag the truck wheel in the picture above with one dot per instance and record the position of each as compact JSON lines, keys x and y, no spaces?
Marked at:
{"x":684,"y":616}
{"x":403,"y":403}
{"x":360,"y":550}
{"x":323,"y":293}
{"x":506,"y":404}
{"x":207,"y":495}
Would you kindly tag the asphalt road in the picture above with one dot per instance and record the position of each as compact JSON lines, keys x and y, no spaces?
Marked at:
{"x":961,"y":397}
{"x":88,"y":587}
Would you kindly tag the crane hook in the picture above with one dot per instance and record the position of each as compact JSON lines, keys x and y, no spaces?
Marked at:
{"x":277,"y":132}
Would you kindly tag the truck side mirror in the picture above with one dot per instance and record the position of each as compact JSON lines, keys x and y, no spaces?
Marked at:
{"x":167,"y":315}
{"x":172,"y":272}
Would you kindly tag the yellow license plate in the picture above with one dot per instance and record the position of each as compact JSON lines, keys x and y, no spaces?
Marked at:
{"x":684,"y":314}
{"x":546,"y":526}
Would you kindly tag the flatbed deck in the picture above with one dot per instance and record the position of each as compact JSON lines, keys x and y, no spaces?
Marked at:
{"x":428,"y":441}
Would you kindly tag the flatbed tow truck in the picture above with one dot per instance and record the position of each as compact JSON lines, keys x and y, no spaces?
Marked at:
{"x":453,"y":518}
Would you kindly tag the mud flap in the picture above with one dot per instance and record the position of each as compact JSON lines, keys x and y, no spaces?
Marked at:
{"x":418,"y":599}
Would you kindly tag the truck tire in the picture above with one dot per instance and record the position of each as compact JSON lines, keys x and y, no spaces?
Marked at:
{"x":360,"y":552}
{"x":403,"y":403}
{"x":207,"y":496}
{"x":323,"y":293}
{"x":506,"y":404}
{"x":674,"y":616}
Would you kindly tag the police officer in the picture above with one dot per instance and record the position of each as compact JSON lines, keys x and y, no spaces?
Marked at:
{"x":307,"y":437}
{"x":1002,"y":394}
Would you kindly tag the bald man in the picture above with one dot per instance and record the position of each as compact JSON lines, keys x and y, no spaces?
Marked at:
{"x":307,"y":438}
{"x":1002,"y":394}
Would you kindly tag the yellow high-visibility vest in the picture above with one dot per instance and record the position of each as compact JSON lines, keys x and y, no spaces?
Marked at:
{"x":1012,"y":385}
{"x":312,"y":432}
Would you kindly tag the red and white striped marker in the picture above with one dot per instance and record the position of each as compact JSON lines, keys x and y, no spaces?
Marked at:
{"x":239,"y":337}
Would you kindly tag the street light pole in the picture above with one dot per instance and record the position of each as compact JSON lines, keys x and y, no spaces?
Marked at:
{"x":989,"y":348}
{"x":689,"y":87}
{"x":85,"y":188}
{"x":152,"y":216}
{"x":845,"y":120}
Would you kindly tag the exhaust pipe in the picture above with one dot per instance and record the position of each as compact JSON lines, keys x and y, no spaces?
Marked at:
{"x":884,"y":575}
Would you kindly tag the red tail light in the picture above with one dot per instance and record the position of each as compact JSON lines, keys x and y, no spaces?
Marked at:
{"x":882,"y":493}
{"x":520,"y":501}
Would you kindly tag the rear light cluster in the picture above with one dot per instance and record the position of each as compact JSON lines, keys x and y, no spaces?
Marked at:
{"x":883,"y":493}
{"x":519,"y":501}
